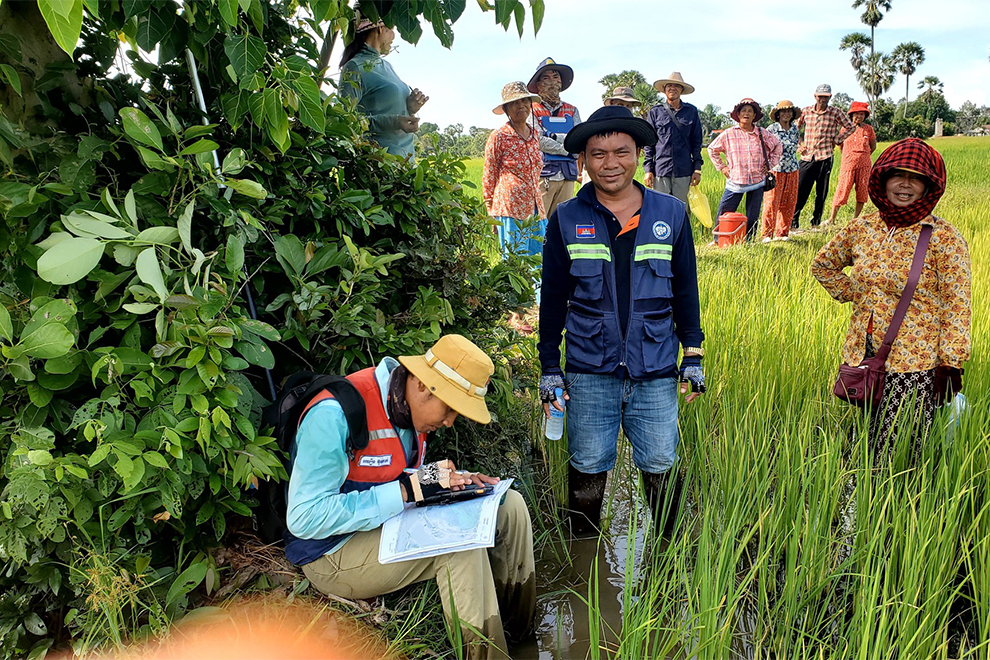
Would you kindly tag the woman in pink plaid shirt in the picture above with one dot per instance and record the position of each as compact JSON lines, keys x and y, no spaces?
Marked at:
{"x":751,"y":152}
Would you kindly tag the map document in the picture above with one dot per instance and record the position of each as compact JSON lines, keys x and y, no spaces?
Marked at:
{"x":429,"y":531}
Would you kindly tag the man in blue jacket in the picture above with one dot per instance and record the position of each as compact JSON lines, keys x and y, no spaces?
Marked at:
{"x":673,"y":162}
{"x":619,"y":275}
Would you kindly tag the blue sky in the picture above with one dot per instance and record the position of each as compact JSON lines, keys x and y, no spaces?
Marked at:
{"x":767,"y":49}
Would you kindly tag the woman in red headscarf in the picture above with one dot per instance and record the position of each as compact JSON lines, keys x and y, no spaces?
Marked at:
{"x":925,"y":362}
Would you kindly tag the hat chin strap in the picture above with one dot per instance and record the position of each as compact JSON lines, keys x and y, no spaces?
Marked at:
{"x":447,"y":372}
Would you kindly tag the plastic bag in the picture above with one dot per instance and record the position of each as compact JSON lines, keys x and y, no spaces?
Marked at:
{"x":698,"y":204}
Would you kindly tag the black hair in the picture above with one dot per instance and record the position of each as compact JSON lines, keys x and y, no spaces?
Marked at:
{"x":354,"y":47}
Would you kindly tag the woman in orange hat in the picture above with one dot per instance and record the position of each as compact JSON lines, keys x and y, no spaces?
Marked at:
{"x":857,"y":150}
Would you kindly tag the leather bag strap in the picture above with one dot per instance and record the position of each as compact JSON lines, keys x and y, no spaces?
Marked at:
{"x":912,"y":283}
{"x":680,"y":129}
{"x":766,"y":157}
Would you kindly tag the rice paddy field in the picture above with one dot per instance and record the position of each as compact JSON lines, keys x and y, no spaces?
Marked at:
{"x":792,"y":542}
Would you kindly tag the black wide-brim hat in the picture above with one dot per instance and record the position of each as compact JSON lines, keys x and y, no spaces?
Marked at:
{"x":566,"y":75}
{"x":610,"y":119}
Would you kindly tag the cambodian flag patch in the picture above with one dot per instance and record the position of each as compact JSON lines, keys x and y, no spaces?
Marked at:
{"x":585,"y":231}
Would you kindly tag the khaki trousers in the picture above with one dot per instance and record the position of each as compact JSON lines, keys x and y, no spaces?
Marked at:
{"x":555,"y":192}
{"x":490,"y":586}
{"x":673,"y":185}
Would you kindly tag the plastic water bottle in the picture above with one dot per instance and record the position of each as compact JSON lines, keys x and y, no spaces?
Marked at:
{"x":555,"y":423}
{"x":957,"y":410}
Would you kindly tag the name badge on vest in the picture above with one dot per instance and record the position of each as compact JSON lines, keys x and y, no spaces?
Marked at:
{"x":585,"y":231}
{"x":375,"y":461}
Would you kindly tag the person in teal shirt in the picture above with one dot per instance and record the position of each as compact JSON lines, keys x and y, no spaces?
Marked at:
{"x":389,"y":103}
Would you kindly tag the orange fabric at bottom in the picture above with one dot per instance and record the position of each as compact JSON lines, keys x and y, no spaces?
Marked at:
{"x":857,"y":173}
{"x":778,"y":205}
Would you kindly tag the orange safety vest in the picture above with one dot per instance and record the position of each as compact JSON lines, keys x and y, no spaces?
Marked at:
{"x":384,"y":459}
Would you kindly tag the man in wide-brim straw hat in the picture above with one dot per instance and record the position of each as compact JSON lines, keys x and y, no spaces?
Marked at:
{"x":825,"y":127}
{"x":340,"y":495}
{"x":673,"y":162}
{"x":619,"y":274}
{"x":555,"y":118}
{"x":624,"y":96}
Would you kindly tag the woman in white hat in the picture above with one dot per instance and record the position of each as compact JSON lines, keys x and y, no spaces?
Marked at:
{"x":389,"y":103}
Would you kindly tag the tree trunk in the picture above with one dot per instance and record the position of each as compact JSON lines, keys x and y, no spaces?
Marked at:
{"x":907,"y":93}
{"x":22,"y":22}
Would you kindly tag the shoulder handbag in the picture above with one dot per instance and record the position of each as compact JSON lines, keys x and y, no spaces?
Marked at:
{"x":771,"y":181}
{"x":862,"y":385}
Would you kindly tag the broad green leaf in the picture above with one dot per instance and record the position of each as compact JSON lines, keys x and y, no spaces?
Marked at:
{"x":257,"y":354}
{"x":247,"y":187}
{"x":228,"y":11}
{"x":154,"y":26}
{"x":54,"y":239}
{"x":69,"y":261}
{"x":63,"y":365}
{"x":20,"y":367}
{"x":278,"y":129}
{"x":64,"y":20}
{"x":49,"y":341}
{"x":99,"y":455}
{"x":260,"y":328}
{"x":245,"y":52}
{"x":159,"y":235}
{"x":131,"y":207}
{"x":133,"y":480}
{"x":108,"y":202}
{"x":181,"y":301}
{"x":234,"y":162}
{"x":150,"y":272}
{"x":125,"y":254}
{"x":40,"y":396}
{"x":39,"y":457}
{"x":199,"y":147}
{"x":138,"y":126}
{"x":9,"y":74}
{"x":188,"y":580}
{"x":538,"y":8}
{"x":153,"y":160}
{"x":291,"y":254}
{"x":87,"y":227}
{"x":184,"y":226}
{"x":234,"y":256}
{"x":6,"y":326}
{"x":310,"y":106}
{"x":140,"y":308}
{"x":156,"y":459}
{"x":55,"y":311}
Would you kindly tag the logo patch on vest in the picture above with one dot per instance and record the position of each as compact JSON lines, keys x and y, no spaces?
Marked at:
{"x":585,"y":231}
{"x":661,"y":229}
{"x":375,"y":461}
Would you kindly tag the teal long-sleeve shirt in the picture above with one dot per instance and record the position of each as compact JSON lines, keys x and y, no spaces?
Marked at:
{"x":316,"y":507}
{"x":381,"y":96}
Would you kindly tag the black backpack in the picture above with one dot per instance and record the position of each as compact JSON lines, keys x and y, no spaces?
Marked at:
{"x":283,"y":416}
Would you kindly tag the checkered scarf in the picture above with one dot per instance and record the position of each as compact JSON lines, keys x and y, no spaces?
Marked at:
{"x":914,"y":155}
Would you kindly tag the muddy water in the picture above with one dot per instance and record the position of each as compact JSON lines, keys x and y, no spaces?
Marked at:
{"x":563,"y":626}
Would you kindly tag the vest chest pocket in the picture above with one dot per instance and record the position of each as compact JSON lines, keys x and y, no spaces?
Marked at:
{"x":653,"y":279}
{"x":590,"y":276}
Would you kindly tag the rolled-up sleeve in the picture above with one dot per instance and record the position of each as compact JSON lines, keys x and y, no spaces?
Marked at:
{"x":316,"y":507}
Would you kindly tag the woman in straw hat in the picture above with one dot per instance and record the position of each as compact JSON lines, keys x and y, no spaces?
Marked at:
{"x":750,"y":153}
{"x":925,"y":362}
{"x":389,"y":103}
{"x":780,"y":202}
{"x":857,"y":151}
{"x":511,"y":176}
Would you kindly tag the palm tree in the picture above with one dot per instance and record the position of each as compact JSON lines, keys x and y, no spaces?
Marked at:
{"x":856,"y":43}
{"x":908,"y":57}
{"x":877,"y":74}
{"x":872,"y":15}
{"x":931,"y":85}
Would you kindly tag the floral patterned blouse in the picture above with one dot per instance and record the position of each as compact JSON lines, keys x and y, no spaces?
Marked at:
{"x":511,"y":178}
{"x":936,"y":328}
{"x":789,"y":140}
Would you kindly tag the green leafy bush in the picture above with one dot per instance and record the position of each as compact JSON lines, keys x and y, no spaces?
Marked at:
{"x":132,"y":369}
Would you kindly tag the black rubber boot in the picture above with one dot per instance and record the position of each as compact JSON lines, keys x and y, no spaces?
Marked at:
{"x":584,"y":501}
{"x":663,"y":492}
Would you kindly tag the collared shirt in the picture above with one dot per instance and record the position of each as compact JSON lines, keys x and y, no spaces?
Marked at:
{"x":789,"y":140}
{"x":744,"y":152}
{"x":511,"y":176}
{"x":316,"y":507}
{"x":677,"y":152}
{"x":936,"y":328}
{"x":858,"y":144}
{"x":381,"y":96}
{"x":822,"y":131}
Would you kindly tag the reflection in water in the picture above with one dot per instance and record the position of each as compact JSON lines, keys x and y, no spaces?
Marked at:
{"x":563,"y":626}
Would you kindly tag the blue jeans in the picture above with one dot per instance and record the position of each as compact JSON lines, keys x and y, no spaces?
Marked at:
{"x":510,"y":235}
{"x":646,"y":410}
{"x":754,"y":200}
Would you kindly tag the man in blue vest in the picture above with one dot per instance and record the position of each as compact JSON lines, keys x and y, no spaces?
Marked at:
{"x":619,"y":275}
{"x":337,"y":502}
